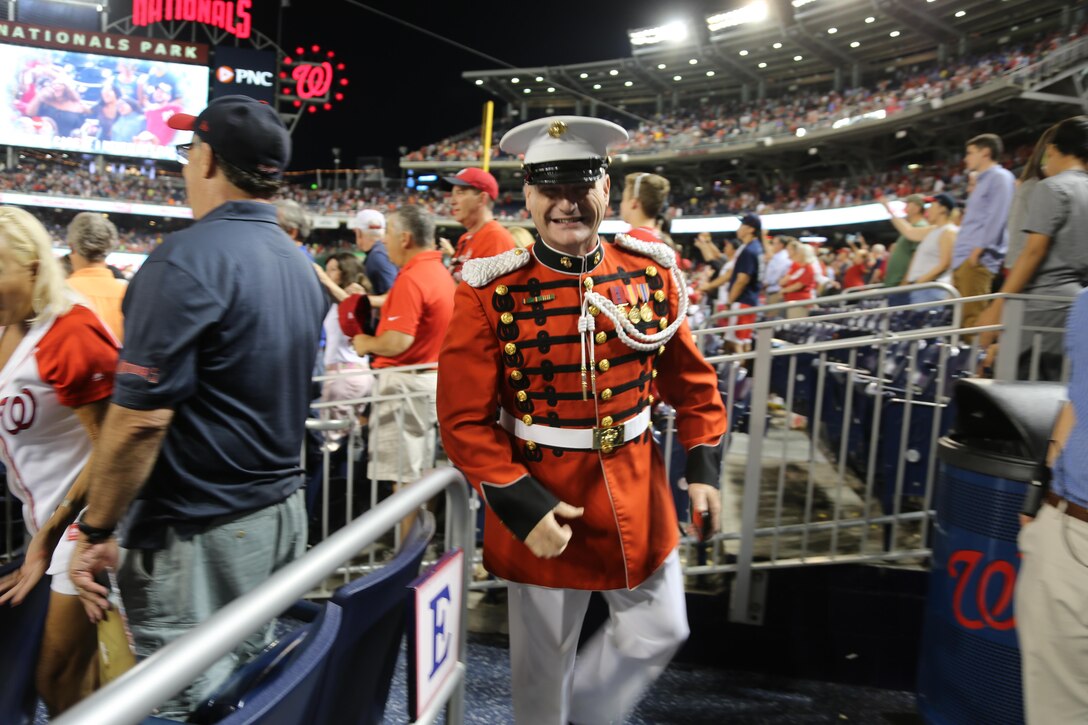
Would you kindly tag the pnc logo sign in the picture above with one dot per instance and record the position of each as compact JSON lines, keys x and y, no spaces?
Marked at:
{"x":243,"y":76}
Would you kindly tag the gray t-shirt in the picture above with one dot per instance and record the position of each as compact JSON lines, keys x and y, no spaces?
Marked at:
{"x":1018,"y":213}
{"x":1059,"y":209}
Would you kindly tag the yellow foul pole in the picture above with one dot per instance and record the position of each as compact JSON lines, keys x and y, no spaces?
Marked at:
{"x":489,"y":117}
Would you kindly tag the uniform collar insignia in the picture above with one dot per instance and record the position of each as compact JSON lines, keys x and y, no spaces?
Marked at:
{"x":568,"y":263}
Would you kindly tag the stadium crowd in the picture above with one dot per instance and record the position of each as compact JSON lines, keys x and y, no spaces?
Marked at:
{"x":737,"y":121}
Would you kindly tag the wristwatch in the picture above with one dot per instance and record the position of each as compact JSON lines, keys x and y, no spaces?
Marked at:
{"x":94,"y":534}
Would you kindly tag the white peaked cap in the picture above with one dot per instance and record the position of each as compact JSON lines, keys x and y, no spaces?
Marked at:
{"x":562,"y":138}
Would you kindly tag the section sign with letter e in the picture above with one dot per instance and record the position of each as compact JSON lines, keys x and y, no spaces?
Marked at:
{"x":434,"y":631}
{"x":244,"y":71}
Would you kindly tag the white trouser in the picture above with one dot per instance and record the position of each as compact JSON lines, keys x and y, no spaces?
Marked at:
{"x":1051,"y":599}
{"x":645,"y":628}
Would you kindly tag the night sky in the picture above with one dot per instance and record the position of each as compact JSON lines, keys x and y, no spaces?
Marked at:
{"x":406,"y":88}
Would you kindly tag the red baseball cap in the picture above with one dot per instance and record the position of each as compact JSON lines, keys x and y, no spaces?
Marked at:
{"x":354,"y":312}
{"x":477,"y":179}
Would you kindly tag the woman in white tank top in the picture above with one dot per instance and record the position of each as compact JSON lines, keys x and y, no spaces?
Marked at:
{"x":932,"y":260}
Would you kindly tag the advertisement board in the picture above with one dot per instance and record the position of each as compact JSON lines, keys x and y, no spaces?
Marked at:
{"x":89,"y":103}
{"x":244,"y":71}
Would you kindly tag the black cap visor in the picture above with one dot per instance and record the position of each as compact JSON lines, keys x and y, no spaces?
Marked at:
{"x":577,"y":171}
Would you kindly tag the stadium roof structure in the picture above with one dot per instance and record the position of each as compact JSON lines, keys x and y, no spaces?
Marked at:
{"x":777,"y":44}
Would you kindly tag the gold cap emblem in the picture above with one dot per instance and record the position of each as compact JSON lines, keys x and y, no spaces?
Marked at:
{"x":557,"y":129}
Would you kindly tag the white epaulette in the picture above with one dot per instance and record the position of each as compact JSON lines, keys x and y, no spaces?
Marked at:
{"x":481,"y":272}
{"x":661,"y":253}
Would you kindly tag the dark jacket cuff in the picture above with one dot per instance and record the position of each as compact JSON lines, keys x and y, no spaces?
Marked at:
{"x":705,"y":464}
{"x":519,"y":505}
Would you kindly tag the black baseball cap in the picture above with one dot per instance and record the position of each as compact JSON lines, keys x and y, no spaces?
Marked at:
{"x":246,"y":132}
{"x":753,"y":221}
{"x":944,"y":200}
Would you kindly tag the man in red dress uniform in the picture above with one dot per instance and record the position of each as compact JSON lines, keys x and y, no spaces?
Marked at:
{"x":544,"y":402}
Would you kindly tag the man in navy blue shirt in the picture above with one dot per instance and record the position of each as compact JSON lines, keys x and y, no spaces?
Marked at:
{"x":744,"y":284}
{"x":210,"y":400}
{"x":382,"y":273}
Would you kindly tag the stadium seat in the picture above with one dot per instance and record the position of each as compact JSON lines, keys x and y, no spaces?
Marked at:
{"x":356,"y":684}
{"x":244,"y":682}
{"x":21,"y":630}
{"x":280,"y":686}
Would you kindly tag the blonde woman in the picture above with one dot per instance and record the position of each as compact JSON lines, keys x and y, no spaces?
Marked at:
{"x":57,"y":362}
{"x":523,"y":238}
{"x":799,"y":283}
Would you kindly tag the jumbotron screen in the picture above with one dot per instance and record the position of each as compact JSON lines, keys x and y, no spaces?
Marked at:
{"x":81,"y":102}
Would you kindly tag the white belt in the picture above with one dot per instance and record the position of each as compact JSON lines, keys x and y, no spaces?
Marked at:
{"x":588,"y":439}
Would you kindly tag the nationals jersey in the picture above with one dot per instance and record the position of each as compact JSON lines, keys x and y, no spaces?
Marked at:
{"x":62,"y":363}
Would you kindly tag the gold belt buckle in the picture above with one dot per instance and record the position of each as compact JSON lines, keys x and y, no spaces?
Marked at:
{"x":606,"y":440}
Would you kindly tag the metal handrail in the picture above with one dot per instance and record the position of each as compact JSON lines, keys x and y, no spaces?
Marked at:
{"x":844,"y":297}
{"x":133,"y":696}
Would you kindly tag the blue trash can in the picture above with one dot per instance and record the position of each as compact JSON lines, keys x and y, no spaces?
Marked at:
{"x":969,"y":669}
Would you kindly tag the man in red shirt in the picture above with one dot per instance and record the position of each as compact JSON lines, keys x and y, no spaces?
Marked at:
{"x":472,"y":194}
{"x":413,"y":324}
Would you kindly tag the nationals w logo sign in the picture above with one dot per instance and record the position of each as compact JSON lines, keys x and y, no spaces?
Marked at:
{"x":17,"y":412}
{"x":983,"y":594}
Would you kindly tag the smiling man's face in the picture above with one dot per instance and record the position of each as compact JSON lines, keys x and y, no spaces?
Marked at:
{"x":568,"y":215}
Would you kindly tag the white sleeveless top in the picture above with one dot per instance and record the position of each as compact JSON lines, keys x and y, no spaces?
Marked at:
{"x":928,"y":255}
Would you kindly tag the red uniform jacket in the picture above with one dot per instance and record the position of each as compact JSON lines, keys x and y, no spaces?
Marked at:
{"x":514,"y":343}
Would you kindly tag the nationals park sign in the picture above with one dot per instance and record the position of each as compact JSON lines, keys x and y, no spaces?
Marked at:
{"x":103,"y":43}
{"x":233,"y":17}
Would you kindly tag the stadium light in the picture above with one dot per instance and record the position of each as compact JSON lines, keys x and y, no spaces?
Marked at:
{"x":479,"y":81}
{"x":801,"y":3}
{"x":870,"y":19}
{"x":762,"y":65}
{"x":710,"y":74}
{"x":674,"y":32}
{"x":893,"y":34}
{"x":596,"y":86}
{"x":613,"y":72}
{"x":751,"y":13}
{"x":742,"y":53}
{"x":515,"y":79}
{"x":855,"y":44}
{"x":832,"y":31}
{"x":801,"y":133}
{"x":661,"y":66}
{"x":678,"y":78}
{"x":627,"y":84}
{"x":539,"y":79}
{"x":583,"y":76}
{"x":961,"y":13}
{"x":798,"y":58}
